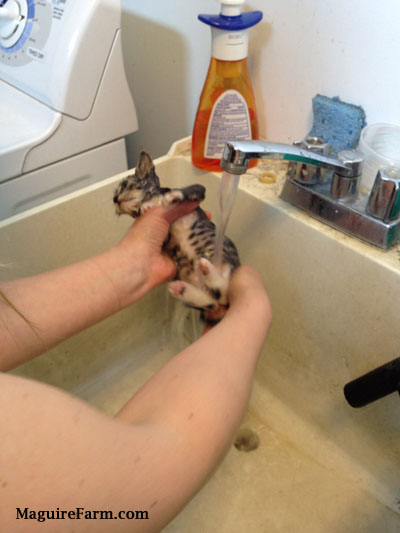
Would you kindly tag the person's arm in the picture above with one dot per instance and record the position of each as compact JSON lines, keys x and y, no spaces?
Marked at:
{"x":157,"y":452}
{"x":62,"y":302}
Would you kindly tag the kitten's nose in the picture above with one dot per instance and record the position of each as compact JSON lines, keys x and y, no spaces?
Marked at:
{"x":116,"y":199}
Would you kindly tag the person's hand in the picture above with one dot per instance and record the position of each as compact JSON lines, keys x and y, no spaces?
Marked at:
{"x":247,"y":286}
{"x":143,"y":244}
{"x":247,"y":290}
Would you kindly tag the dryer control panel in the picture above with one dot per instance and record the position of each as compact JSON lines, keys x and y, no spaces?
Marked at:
{"x":21,"y":40}
{"x":56,"y":50}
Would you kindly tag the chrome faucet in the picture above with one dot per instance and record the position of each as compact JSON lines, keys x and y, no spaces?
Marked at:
{"x":237,"y":155}
{"x":328,"y":187}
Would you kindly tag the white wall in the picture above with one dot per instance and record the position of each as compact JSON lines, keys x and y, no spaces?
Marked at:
{"x":340,"y":48}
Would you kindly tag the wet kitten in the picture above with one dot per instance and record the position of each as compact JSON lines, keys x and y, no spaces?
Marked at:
{"x":200,"y":284}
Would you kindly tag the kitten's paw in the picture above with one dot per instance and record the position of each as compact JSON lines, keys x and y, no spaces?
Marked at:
{"x":195,"y":192}
{"x":173,"y":197}
{"x":177,"y":288}
{"x":213,"y":276}
{"x":146,"y":207}
{"x":191,"y":295}
{"x":216,"y":279}
{"x":205,"y":266}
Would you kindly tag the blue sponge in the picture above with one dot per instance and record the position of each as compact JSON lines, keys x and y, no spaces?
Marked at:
{"x":337,"y":122}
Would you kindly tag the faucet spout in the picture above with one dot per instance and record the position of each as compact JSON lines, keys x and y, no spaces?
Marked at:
{"x":237,"y":155}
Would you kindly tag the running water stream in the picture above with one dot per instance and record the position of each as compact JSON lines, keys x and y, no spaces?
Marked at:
{"x":226,"y":196}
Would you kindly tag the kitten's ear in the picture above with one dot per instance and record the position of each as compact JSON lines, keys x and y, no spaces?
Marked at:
{"x":144,"y":165}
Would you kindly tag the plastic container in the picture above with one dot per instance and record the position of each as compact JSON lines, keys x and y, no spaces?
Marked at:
{"x":227,"y":108}
{"x":380,"y":145}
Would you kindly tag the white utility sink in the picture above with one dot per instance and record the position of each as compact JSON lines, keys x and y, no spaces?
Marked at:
{"x":321,"y":466}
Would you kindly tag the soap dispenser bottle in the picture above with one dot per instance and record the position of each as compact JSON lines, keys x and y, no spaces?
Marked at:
{"x":227,"y":110}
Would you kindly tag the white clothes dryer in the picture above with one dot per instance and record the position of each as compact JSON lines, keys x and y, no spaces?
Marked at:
{"x":65,"y":105}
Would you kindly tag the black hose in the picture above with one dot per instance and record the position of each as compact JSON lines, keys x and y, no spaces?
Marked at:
{"x":374,"y":385}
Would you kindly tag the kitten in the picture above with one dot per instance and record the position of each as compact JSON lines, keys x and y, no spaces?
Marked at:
{"x":200,"y":284}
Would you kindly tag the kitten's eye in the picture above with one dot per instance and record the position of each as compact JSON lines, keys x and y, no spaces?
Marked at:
{"x":124,"y":184}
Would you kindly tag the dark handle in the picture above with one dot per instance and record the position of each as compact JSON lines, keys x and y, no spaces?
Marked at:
{"x":374,"y":385}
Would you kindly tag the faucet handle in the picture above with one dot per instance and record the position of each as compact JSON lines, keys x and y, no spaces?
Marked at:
{"x":343,"y":187}
{"x":384,"y":200}
{"x":310,"y":174}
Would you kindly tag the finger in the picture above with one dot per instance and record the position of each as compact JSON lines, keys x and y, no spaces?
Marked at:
{"x":168,"y":268}
{"x":175,"y":211}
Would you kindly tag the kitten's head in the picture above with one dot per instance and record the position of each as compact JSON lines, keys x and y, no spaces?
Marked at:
{"x":137,"y":188}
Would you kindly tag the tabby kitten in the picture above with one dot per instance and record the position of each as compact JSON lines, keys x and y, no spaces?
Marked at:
{"x":199,"y":283}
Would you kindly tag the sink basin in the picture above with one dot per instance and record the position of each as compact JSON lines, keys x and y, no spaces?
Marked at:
{"x":320,"y":466}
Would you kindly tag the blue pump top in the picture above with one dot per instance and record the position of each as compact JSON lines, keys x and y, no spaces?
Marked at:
{"x":236,"y":23}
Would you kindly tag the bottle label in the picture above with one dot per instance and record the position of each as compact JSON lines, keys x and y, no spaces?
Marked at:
{"x":229,"y":121}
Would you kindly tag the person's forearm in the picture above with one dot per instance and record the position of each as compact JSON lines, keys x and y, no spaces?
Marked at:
{"x":60,"y":303}
{"x":204,"y":390}
{"x":177,"y":427}
{"x":63,"y":302}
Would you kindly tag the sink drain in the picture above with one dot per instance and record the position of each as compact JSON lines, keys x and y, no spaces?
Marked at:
{"x":246,"y":440}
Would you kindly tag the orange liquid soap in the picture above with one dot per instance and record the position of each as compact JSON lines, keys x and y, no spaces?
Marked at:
{"x":227,"y":110}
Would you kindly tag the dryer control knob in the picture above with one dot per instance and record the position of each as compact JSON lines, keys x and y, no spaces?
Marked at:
{"x":12,"y":21}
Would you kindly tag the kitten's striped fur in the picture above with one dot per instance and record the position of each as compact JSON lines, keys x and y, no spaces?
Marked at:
{"x":199,"y":283}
